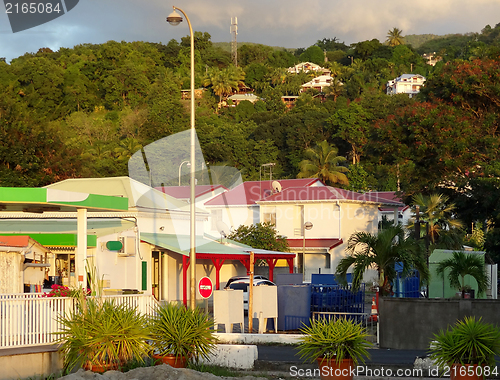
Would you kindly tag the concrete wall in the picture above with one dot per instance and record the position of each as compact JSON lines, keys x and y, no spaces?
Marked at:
{"x":407,"y":323}
{"x":20,"y":363}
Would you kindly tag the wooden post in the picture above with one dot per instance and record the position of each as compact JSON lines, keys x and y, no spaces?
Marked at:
{"x":250,"y":295}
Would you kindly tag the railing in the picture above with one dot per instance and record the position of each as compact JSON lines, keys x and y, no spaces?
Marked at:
{"x":30,"y":319}
{"x":336,"y":298}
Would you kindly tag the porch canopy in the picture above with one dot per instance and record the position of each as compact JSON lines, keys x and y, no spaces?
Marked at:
{"x":215,"y":251}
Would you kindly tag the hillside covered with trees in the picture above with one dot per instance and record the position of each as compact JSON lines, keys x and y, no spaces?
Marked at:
{"x":83,"y":111}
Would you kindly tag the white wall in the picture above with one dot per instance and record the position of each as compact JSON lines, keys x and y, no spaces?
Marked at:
{"x":330,"y":220}
{"x":233,"y":217}
{"x":122,"y":272}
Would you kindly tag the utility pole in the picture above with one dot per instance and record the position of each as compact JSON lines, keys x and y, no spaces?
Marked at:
{"x":417,"y":238}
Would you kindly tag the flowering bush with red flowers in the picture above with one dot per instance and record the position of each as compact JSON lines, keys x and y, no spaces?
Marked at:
{"x":63,"y":291}
{"x":59,"y":291}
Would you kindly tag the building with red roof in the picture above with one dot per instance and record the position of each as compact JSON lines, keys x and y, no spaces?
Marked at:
{"x":333,"y":215}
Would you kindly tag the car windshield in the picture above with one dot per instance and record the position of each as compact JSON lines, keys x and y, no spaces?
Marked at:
{"x":239,"y":286}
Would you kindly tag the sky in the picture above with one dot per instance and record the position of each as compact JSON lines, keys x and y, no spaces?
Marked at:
{"x":286,"y":23}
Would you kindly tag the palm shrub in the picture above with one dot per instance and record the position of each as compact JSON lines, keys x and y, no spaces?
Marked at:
{"x":337,"y":339}
{"x":102,"y":333}
{"x":176,"y":330}
{"x":382,"y":251}
{"x":470,"y":341}
{"x":462,"y":264}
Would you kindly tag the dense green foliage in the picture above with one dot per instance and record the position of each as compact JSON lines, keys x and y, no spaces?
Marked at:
{"x":260,"y":235}
{"x":83,"y":111}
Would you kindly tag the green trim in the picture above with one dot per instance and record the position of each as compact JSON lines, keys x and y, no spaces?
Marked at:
{"x":58,"y":239}
{"x":23,"y":194}
{"x":106,"y":202}
{"x":144,"y":275}
{"x":29,"y":195}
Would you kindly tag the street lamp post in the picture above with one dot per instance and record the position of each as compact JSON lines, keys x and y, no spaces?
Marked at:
{"x":180,"y":166}
{"x":175,"y":19}
{"x":307,"y":226}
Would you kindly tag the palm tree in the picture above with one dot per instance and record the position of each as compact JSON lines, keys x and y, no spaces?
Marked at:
{"x":322,"y":162}
{"x":127,"y":148}
{"x":435,"y":211}
{"x":224,"y":81}
{"x":394,"y":37}
{"x":381,"y":252}
{"x":461,"y":265}
{"x":334,"y":89}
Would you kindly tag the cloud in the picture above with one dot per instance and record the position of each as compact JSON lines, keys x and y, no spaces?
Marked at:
{"x":287,"y":23}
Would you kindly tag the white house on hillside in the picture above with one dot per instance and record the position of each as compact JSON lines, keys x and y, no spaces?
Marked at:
{"x":406,"y":84}
{"x":306,"y":67}
{"x":318,"y":83}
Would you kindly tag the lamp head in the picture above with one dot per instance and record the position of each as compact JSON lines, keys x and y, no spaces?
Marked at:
{"x":174,"y":18}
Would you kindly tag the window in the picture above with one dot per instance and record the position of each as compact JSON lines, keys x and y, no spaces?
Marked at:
{"x":269,"y":217}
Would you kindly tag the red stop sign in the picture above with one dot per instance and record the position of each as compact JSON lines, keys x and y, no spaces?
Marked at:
{"x":205,"y":287}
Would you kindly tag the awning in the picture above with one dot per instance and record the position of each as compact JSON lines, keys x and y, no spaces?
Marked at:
{"x":181,"y":245}
{"x":215,"y":251}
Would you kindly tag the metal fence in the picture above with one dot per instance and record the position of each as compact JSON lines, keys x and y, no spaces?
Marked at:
{"x":31,"y":319}
{"x":407,"y":287}
{"x":337,"y":298}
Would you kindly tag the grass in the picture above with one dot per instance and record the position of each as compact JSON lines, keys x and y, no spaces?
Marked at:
{"x":214,"y":369}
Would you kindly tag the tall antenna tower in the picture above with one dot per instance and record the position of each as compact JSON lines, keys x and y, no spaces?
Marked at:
{"x":234,"y":44}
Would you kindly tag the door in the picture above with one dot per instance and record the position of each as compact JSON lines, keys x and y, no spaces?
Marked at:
{"x":155,"y":275}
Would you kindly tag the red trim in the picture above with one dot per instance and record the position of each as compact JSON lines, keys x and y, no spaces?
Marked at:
{"x":185,"y":266}
{"x":290,"y":265}
{"x":246,"y":263}
{"x":271,"y":263}
{"x":263,"y":256}
{"x":315,"y":243}
{"x":210,"y":256}
{"x":217,"y":264}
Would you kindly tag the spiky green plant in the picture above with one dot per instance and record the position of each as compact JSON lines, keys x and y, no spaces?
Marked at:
{"x":182,"y":332}
{"x":470,"y":341}
{"x":337,"y":339}
{"x":102,"y":333}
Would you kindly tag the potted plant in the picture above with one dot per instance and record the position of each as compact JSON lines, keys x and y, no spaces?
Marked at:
{"x":179,"y":335}
{"x":467,"y":350}
{"x":338,"y":345}
{"x":101,"y":335}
